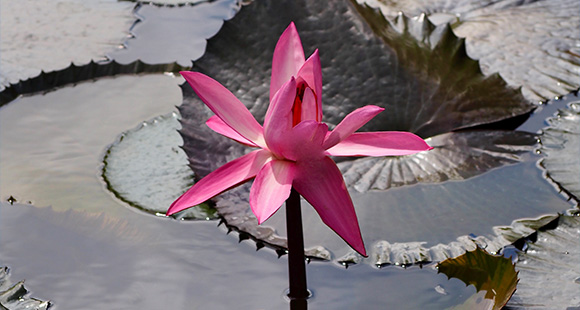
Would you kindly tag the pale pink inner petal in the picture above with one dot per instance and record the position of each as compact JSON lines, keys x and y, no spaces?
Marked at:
{"x":351,"y":123}
{"x":321,"y":184}
{"x":226,"y":106}
{"x":271,"y":188}
{"x":383,"y":143}
{"x":287,"y":60}
{"x":309,"y":107}
{"x":229,"y":175}
{"x":278,"y":121}
{"x":304,"y":141}
{"x":219,"y":126}
{"x":311,"y":73}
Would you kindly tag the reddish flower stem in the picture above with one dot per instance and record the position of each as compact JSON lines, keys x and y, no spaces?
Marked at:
{"x":296,"y":262}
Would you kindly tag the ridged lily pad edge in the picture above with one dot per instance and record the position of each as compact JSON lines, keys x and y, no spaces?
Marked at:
{"x":544,"y":135}
{"x":47,"y":81}
{"x":16,"y":296}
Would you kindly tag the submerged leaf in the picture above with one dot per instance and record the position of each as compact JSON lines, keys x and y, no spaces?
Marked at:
{"x":495,"y":275}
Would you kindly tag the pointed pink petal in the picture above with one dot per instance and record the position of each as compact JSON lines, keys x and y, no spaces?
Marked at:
{"x":309,"y":108}
{"x":229,"y":175}
{"x":287,"y":60}
{"x":271,"y":188}
{"x":351,"y":123}
{"x":311,"y":73}
{"x":383,"y":143}
{"x":321,"y":184}
{"x":219,"y":126}
{"x":226,"y":106}
{"x":278,"y":120}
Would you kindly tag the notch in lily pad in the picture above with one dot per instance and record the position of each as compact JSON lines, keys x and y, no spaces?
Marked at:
{"x":494,"y":277}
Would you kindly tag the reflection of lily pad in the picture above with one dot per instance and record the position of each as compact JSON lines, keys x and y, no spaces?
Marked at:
{"x":141,"y":168}
{"x":533,"y":44}
{"x":549,"y":269}
{"x":561,"y":145}
{"x":427,"y":85}
{"x":15,"y":296}
{"x":495,"y":275}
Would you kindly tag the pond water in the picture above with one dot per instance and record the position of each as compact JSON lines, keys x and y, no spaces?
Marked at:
{"x":81,"y":247}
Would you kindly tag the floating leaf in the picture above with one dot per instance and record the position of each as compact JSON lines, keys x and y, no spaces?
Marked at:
{"x":166,"y":33}
{"x":532,"y":44}
{"x":549,"y":269}
{"x":456,"y":156}
{"x":561,"y":144}
{"x":495,"y":275}
{"x":142,"y":168}
{"x":73,"y":74}
{"x":36,"y":37}
{"x":70,"y":128}
{"x":15,"y":296}
{"x":427,"y":85}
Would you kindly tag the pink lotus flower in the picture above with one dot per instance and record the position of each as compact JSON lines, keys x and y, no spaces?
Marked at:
{"x":293,"y":145}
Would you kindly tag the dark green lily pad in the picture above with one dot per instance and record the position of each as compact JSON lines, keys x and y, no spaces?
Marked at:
{"x":16,"y":296}
{"x":549,"y":269}
{"x":532,"y":44}
{"x":496,"y":275}
{"x":561,"y":145}
{"x":425,"y":69}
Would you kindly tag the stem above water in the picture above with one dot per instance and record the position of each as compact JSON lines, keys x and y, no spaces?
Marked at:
{"x":296,"y":263}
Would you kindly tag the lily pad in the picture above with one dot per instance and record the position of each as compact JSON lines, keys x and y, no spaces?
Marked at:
{"x":549,"y":269}
{"x":166,"y":33}
{"x":142,"y":168}
{"x":80,"y":31}
{"x":560,"y":145}
{"x":456,"y":156}
{"x":496,"y":275}
{"x":70,"y":129}
{"x":47,"y":81}
{"x":471,"y":182}
{"x":532,"y":44}
{"x":16,"y":296}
